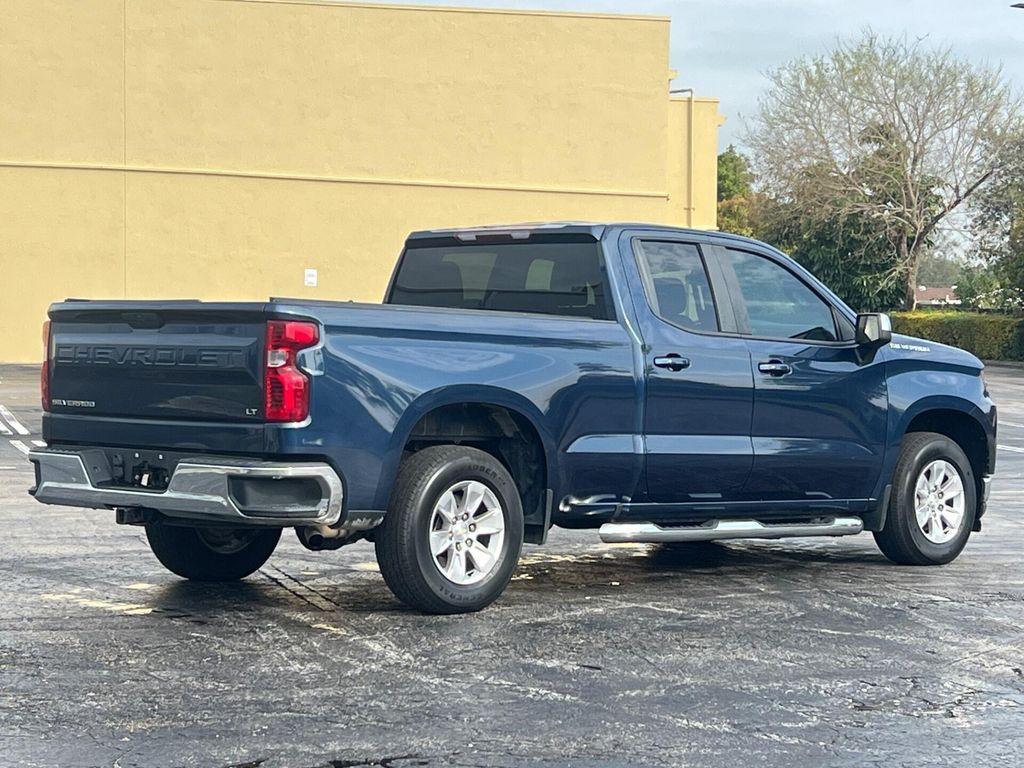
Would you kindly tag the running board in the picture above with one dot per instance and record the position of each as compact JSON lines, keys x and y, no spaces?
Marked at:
{"x":619,"y":533}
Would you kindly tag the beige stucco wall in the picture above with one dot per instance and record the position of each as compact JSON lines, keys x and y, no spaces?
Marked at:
{"x":217,"y":148}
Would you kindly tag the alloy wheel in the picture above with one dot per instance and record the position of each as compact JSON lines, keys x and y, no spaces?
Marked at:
{"x":939,"y":501}
{"x":467,"y":530}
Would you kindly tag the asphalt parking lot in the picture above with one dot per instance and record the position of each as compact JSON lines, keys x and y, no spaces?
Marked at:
{"x":798,"y":653}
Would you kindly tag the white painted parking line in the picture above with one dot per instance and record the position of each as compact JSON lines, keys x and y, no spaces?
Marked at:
{"x":1011,"y":448}
{"x":1010,"y":424}
{"x":39,"y":443}
{"x":24,"y":448}
{"x":12,"y":422}
{"x":4,"y":430}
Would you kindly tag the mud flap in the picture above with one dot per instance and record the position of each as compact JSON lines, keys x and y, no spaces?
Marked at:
{"x":874,"y":519}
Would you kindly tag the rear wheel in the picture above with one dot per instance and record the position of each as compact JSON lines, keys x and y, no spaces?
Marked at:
{"x":933,"y":504}
{"x":453,"y":531}
{"x":211,"y":553}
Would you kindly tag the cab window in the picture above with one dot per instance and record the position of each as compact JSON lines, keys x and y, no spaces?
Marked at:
{"x":562,"y":277}
{"x":677,"y":284}
{"x":779,"y":305}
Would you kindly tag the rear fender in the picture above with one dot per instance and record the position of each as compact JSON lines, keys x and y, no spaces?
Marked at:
{"x":457,"y":395}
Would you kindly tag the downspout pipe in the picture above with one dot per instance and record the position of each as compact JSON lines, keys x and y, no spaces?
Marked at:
{"x":689,"y":152}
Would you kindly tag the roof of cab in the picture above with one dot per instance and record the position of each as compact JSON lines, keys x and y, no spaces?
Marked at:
{"x":524,"y":230}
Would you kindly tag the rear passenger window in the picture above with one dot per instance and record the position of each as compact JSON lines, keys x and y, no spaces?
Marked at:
{"x":551,"y":278}
{"x":677,"y":285}
{"x":779,"y":304}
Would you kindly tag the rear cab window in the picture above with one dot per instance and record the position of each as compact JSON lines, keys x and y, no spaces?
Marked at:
{"x":563,"y":277}
{"x":676,"y":284}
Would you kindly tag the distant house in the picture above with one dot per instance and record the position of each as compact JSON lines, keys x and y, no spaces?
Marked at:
{"x":936,"y":297}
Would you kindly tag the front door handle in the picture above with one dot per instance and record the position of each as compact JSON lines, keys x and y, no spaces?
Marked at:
{"x":775,"y":368}
{"x":672,"y":361}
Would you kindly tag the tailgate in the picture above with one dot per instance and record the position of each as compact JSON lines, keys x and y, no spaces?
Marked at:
{"x":176,"y":361}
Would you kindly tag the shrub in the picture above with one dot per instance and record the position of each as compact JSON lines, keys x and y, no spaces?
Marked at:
{"x":989,"y":336}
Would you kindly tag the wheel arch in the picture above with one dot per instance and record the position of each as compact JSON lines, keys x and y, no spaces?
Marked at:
{"x":508,"y":424}
{"x":962,"y":422}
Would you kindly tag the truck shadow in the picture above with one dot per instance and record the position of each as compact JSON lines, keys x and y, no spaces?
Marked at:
{"x":698,"y":560}
{"x":714,"y":554}
{"x":198,"y":602}
{"x":540,"y":575}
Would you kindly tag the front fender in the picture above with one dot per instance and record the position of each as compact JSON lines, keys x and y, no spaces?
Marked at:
{"x":917,"y":386}
{"x":937,"y":403}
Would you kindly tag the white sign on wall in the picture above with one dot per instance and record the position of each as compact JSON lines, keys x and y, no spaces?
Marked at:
{"x":311,"y":278}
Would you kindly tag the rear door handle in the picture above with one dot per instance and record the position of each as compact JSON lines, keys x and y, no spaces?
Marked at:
{"x":672,"y":361}
{"x":775,"y":368}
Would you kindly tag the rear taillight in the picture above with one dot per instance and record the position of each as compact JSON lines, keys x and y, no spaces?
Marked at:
{"x":44,"y":370}
{"x":286,"y":394}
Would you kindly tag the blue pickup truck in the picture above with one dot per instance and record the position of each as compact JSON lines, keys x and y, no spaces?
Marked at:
{"x":655,"y":384}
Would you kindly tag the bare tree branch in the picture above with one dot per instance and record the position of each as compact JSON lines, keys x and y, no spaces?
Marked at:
{"x":885,"y":129}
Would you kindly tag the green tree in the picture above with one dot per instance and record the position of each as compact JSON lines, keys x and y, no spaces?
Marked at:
{"x":735,"y":193}
{"x":882,"y":135}
{"x":847,"y":253}
{"x":976,"y":287}
{"x":998,"y":220}
{"x":735,"y":179}
{"x":937,"y":269}
{"x":850,"y":252}
{"x":856,"y":253}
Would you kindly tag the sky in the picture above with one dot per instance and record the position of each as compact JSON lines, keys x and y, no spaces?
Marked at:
{"x":722,"y":48}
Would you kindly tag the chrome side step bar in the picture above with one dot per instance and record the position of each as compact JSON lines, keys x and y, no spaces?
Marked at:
{"x":619,"y":533}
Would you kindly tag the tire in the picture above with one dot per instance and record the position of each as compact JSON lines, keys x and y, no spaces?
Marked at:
{"x":903,"y":539}
{"x":418,"y":516}
{"x":211,"y":554}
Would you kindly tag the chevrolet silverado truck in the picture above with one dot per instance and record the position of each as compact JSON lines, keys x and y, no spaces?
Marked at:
{"x":654,"y":384}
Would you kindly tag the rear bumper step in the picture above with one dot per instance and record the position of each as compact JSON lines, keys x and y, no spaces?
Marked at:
{"x":213,"y":489}
{"x":618,"y":533}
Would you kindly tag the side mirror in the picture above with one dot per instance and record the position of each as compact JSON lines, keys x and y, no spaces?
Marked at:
{"x":874,"y":329}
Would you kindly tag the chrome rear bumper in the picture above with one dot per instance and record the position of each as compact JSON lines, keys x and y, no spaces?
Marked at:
{"x":200,"y":488}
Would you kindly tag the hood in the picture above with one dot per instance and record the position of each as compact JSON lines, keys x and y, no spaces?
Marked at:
{"x":909,"y":347}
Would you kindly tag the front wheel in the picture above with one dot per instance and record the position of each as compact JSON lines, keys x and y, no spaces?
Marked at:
{"x":453,"y":531}
{"x":211,"y":553}
{"x":933,"y":504}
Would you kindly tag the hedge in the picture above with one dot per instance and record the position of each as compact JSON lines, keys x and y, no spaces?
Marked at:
{"x":989,"y":336}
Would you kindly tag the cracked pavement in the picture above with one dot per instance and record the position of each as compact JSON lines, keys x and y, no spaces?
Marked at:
{"x":799,"y":652}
